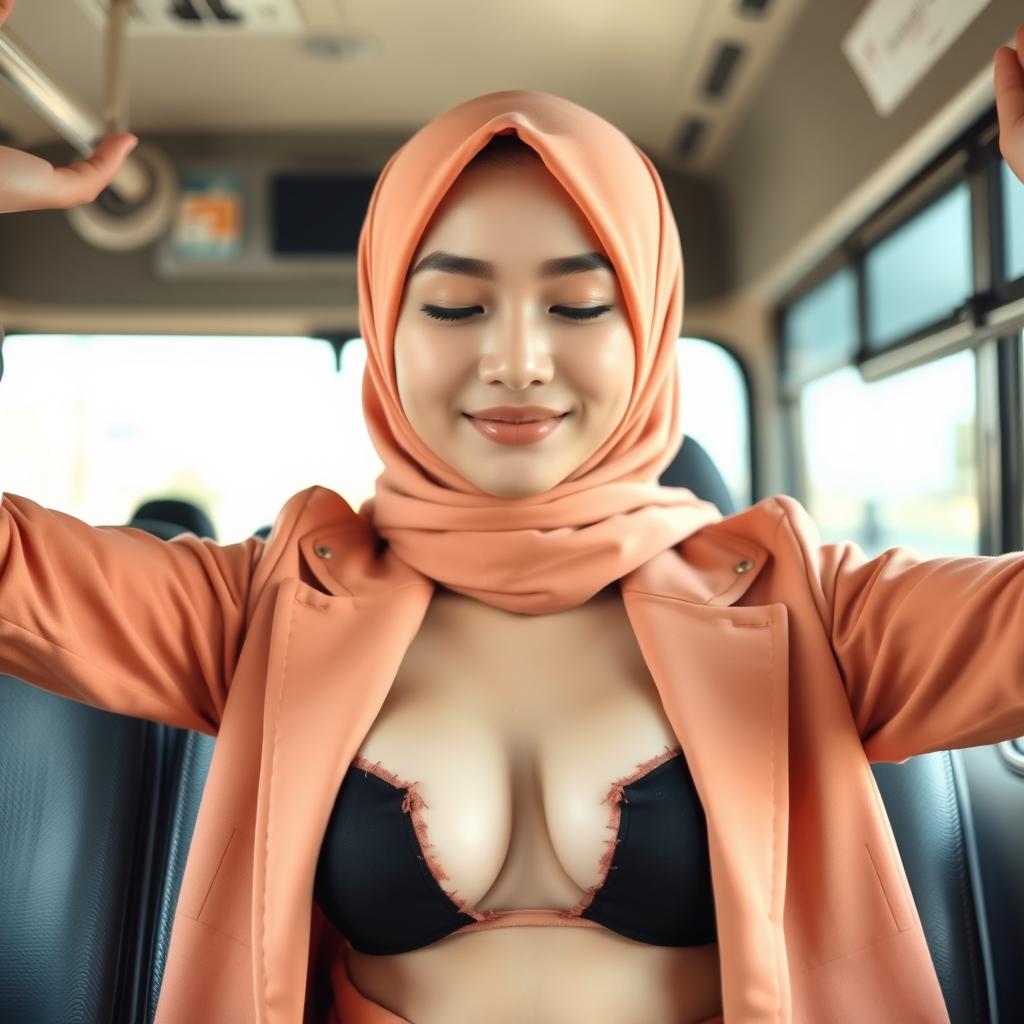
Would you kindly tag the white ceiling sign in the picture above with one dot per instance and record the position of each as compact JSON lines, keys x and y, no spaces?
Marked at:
{"x":893,"y":43}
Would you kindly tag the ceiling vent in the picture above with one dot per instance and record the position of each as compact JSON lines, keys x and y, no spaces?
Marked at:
{"x":722,"y":71}
{"x":203,"y":17}
{"x":689,"y":138}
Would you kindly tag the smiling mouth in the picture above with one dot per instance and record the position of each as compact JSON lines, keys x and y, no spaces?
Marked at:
{"x":539,"y":419}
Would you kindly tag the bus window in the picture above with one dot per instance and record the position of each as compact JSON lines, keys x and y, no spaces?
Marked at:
{"x":1013,"y":223}
{"x":234,"y":424}
{"x":921,"y":272}
{"x":892,"y":462}
{"x":716,"y":410}
{"x":361,"y":465}
{"x":821,"y":328}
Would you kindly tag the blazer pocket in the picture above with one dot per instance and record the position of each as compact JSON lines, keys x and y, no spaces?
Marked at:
{"x":852,"y":915}
{"x":221,"y":899}
{"x":218,"y":871}
{"x":886,"y":871}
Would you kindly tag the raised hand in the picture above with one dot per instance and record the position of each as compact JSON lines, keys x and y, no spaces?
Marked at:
{"x":30,"y":183}
{"x":1009,"y":82}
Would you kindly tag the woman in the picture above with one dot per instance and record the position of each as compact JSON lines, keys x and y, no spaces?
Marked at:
{"x":429,"y":748}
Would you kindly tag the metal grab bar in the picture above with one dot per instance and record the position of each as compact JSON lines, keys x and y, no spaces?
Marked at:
{"x":76,"y":125}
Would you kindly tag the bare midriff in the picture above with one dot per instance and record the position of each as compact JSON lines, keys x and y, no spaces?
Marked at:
{"x":545,"y":976}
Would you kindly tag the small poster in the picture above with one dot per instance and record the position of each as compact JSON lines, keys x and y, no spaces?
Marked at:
{"x":208,"y":223}
{"x":893,"y":43}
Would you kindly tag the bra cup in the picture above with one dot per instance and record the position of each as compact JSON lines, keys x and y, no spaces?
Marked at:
{"x":658,"y":888}
{"x":374,"y":884}
{"x":371,"y":880}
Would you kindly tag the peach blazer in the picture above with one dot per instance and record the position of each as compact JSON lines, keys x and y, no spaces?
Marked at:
{"x":784,"y":666}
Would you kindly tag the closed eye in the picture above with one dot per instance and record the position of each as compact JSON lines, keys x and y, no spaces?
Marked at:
{"x":462,"y":312}
{"x":447,"y":313}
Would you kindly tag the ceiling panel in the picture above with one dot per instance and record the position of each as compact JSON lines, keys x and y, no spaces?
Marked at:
{"x":641,"y":65}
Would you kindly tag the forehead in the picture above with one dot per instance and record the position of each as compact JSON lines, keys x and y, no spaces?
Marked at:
{"x":506,"y":216}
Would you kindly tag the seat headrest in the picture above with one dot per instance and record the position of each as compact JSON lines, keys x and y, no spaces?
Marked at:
{"x":692,"y":468}
{"x":183,"y":514}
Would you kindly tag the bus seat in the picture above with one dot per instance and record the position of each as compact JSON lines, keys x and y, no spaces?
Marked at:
{"x":96,"y":818}
{"x":179,"y":515}
{"x":692,"y":468}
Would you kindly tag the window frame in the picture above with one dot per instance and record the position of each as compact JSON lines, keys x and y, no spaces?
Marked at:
{"x":990,"y":322}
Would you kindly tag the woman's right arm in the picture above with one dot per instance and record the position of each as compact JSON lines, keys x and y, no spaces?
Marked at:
{"x":113,"y":616}
{"x":30,"y":183}
{"x":117,"y":618}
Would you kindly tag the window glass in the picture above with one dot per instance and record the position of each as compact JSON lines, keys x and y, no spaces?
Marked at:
{"x":1013,"y":223}
{"x":820,"y":328}
{"x":715,"y":410}
{"x":236,"y":425}
{"x":361,"y":465}
{"x":921,"y":272}
{"x":892,"y":463}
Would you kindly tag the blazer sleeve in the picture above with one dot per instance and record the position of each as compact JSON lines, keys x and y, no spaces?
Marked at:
{"x":114,"y":617}
{"x":931,"y":651}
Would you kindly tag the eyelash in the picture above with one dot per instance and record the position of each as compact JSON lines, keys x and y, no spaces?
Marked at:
{"x":446,"y":314}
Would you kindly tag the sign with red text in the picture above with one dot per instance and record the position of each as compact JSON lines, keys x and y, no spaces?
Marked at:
{"x":893,"y":43}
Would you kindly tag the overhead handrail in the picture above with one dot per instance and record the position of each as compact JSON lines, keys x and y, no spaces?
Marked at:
{"x":78,"y":126}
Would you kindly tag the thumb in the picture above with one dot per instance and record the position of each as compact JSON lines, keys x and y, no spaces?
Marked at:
{"x":115,"y":147}
{"x":124,"y":142}
{"x":82,"y":181}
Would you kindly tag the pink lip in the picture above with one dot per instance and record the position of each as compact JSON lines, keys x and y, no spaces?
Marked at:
{"x":516,"y":433}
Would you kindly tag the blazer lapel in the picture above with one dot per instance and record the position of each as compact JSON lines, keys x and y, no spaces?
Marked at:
{"x":721,"y":671}
{"x":333,"y":658}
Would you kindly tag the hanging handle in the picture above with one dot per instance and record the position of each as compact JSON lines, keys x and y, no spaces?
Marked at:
{"x":76,"y":125}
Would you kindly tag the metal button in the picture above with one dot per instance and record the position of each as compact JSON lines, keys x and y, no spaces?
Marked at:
{"x":745,"y":566}
{"x":323,"y":551}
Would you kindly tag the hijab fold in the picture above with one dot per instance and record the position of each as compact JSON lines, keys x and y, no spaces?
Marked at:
{"x":552,"y":551}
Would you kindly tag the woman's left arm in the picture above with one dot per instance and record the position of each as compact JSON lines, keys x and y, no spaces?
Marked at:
{"x":1009,"y":84}
{"x":930,"y":651}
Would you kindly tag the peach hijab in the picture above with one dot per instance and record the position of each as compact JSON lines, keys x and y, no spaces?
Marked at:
{"x":552,"y":551}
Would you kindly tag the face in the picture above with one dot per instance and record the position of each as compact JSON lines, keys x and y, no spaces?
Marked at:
{"x":526,"y":333}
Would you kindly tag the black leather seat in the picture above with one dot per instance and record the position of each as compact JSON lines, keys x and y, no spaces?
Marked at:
{"x":97,"y":812}
{"x":96,"y":818}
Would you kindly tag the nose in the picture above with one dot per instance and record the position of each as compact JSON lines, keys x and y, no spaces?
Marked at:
{"x":517,"y":356}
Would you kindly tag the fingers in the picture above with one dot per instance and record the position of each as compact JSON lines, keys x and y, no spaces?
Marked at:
{"x":1009,"y":84}
{"x":82,"y":182}
{"x":1013,"y":58}
{"x":6,"y":6}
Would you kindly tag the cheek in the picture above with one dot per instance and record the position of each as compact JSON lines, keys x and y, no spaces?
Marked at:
{"x":606,"y":369}
{"x":428,"y":373}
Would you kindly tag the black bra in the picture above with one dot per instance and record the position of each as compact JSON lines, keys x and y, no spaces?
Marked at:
{"x":378,"y":887}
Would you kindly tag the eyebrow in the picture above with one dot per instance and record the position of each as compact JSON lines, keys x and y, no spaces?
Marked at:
{"x":452,"y":264}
